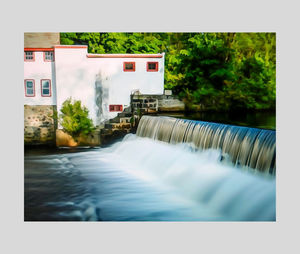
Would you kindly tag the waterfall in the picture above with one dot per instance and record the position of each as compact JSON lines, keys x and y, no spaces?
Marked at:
{"x":247,"y":147}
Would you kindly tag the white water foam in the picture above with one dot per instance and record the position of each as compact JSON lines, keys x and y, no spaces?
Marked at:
{"x":199,"y":176}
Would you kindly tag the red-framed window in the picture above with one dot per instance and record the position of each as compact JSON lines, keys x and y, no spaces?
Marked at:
{"x":46,"y":87}
{"x":152,"y":66}
{"x":115,"y":108}
{"x":129,"y":66}
{"x":29,"y":56}
{"x":48,"y":56}
{"x":29,"y":87}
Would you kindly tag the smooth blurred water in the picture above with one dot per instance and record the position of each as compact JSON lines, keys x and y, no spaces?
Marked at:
{"x":140,"y":179}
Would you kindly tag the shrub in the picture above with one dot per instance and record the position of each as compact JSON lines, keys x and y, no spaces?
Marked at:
{"x":74,"y":118}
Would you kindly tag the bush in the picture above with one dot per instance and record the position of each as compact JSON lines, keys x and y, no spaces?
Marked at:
{"x":74,"y":118}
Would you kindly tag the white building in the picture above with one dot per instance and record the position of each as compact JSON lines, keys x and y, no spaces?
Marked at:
{"x":103,"y":82}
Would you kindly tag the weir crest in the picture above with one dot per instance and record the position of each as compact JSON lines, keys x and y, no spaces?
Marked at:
{"x":250,"y":147}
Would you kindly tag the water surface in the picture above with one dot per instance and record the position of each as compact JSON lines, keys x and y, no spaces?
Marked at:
{"x":255,"y":119}
{"x":140,"y":179}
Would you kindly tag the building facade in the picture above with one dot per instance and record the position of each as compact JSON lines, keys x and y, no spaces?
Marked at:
{"x":102,"y":82}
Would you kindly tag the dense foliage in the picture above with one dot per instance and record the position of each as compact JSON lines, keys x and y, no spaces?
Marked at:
{"x":219,"y":71}
{"x":74,"y":118}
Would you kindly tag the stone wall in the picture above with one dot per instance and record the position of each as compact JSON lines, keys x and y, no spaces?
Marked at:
{"x":145,"y":103}
{"x":39,"y":125}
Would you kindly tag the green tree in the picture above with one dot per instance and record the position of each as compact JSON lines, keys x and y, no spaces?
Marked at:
{"x":74,"y":118}
{"x":205,"y":64}
{"x":255,"y":71}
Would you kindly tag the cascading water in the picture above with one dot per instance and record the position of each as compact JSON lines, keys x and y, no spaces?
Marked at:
{"x":250,"y":147}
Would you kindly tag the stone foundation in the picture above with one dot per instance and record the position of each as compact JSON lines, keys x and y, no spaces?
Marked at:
{"x":39,"y":125}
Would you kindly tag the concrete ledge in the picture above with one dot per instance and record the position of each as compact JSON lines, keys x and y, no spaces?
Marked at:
{"x":154,"y":103}
{"x":170,"y":105}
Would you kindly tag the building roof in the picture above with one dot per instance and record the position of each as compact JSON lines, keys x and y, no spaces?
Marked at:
{"x":125,"y":55}
{"x":71,"y":46}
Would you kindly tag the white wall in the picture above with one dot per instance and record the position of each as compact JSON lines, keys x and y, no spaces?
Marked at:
{"x":73,"y":78}
{"x":120,"y":84}
{"x":78,"y":76}
{"x":38,"y":70}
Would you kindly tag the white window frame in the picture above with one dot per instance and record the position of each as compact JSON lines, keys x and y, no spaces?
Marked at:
{"x":26,"y":88}
{"x":29,"y":60}
{"x":47,"y":54}
{"x":42,"y":88}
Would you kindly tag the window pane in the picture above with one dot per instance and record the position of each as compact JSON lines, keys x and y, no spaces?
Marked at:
{"x":49,"y":56}
{"x":29,"y":91}
{"x":46,"y":84}
{"x":29,"y":87}
{"x":129,"y":66}
{"x":29,"y":84}
{"x":29,"y":55}
{"x":46,"y":91}
{"x":153,"y":66}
